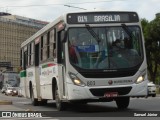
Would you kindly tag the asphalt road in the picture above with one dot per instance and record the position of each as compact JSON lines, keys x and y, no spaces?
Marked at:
{"x":106,"y":110}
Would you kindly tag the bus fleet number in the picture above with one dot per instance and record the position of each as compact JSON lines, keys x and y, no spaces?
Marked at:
{"x":90,"y":83}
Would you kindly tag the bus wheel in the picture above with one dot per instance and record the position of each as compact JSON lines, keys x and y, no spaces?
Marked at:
{"x":59,"y":104}
{"x":43,"y":102}
{"x":154,"y":95}
{"x":33,"y":100}
{"x":122,"y":102}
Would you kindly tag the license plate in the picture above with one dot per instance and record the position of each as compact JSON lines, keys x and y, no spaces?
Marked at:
{"x":111,"y":94}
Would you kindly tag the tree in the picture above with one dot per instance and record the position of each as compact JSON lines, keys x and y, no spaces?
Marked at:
{"x":151,"y":32}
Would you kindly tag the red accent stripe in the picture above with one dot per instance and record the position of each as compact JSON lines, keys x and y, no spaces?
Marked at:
{"x":51,"y":64}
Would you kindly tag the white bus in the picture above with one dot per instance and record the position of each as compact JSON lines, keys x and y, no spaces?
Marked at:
{"x":85,"y":57}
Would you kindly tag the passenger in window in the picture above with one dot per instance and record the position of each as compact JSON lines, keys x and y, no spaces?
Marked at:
{"x":131,"y":54}
{"x":117,"y":48}
{"x":128,"y":45}
{"x":118,"y":55}
{"x":72,"y":50}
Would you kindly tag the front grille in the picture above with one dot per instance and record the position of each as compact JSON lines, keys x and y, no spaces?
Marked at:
{"x":102,"y":91}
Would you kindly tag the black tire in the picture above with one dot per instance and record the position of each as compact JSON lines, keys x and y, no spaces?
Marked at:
{"x":43,"y":102}
{"x":122,"y":102}
{"x":33,"y":100}
{"x":59,"y":104}
{"x":154,"y":95}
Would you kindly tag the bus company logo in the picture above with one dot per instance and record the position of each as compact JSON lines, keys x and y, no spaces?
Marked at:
{"x":110,"y":82}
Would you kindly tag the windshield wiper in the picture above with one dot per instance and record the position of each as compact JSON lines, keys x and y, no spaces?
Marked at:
{"x":128,"y":31}
{"x":91,"y":31}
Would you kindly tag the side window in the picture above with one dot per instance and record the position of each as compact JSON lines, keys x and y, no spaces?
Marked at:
{"x":30,"y":49}
{"x":41,"y":48}
{"x":52,"y":44}
{"x":25,"y":57}
{"x":48,"y":45}
{"x":25,"y":60}
{"x":29,"y":55}
{"x":32,"y":53}
{"x":44,"y":47}
{"x":22,"y":59}
{"x":60,"y":49}
{"x":37,"y":51}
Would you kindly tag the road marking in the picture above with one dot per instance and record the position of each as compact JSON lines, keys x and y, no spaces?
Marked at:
{"x":25,"y":103}
{"x":144,"y":98}
{"x":5,"y":102}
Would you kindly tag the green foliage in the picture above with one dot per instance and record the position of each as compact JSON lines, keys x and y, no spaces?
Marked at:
{"x":151,"y":31}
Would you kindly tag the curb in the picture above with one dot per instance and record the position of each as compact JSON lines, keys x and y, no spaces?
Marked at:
{"x":5,"y":102}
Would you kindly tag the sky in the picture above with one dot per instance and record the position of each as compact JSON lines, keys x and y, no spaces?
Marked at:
{"x":48,"y":10}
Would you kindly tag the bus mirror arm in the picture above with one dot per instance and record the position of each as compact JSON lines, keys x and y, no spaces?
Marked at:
{"x":63,"y":36}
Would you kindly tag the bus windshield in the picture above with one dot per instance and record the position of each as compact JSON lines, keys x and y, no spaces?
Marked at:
{"x":105,"y":47}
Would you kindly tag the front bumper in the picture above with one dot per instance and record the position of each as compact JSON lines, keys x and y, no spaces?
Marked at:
{"x":81,"y":93}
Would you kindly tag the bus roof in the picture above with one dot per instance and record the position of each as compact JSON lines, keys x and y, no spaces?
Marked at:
{"x":61,"y":18}
{"x":37,"y":34}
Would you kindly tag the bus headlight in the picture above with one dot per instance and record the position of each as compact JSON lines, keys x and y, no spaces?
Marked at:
{"x":76,"y":80}
{"x":142,"y":76}
{"x":140,"y":79}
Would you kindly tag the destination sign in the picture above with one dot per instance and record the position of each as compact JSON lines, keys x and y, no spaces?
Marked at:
{"x":102,"y":17}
